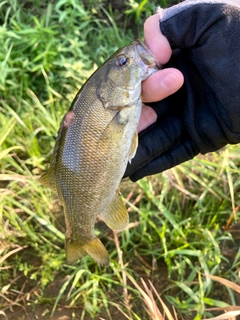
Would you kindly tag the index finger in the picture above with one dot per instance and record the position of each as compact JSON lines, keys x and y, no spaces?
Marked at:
{"x":161,"y":84}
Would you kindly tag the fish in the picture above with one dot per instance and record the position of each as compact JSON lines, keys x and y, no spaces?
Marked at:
{"x":96,"y":139}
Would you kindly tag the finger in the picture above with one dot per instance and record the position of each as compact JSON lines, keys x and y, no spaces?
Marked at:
{"x":161,"y":84}
{"x":155,"y":40}
{"x":148,"y":117}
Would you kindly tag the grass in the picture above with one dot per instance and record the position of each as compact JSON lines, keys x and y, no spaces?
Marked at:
{"x":183,"y":236}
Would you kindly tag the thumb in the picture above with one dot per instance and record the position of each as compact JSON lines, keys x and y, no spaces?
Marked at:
{"x":155,"y":40}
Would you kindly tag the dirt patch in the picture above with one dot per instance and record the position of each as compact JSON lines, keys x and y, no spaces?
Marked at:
{"x":43,"y":312}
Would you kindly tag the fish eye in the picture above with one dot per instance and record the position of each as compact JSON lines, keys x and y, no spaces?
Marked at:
{"x":121,"y":61}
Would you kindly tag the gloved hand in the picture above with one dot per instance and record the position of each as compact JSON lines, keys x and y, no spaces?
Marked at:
{"x":204,"y":115}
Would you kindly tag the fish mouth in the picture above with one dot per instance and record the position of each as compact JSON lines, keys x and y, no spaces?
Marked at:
{"x":145,"y":59}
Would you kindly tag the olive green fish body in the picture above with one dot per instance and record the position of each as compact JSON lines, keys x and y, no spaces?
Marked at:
{"x":96,"y":139}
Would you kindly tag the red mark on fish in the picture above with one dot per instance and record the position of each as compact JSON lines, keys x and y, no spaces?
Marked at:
{"x":69,"y":119}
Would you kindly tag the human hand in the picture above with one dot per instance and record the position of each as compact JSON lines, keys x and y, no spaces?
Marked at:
{"x":163,"y":83}
{"x":204,"y":114}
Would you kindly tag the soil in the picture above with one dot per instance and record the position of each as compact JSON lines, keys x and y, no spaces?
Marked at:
{"x":42,"y":312}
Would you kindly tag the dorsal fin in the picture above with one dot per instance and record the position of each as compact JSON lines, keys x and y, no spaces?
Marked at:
{"x":48,"y":178}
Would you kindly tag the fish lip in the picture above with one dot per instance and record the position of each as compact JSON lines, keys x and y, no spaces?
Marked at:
{"x":156,"y":65}
{"x":150,"y":69}
{"x":146,"y":60}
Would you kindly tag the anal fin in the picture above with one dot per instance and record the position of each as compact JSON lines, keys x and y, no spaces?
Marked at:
{"x":116,"y":215}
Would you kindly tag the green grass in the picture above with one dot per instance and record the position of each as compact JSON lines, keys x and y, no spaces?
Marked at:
{"x":179,"y":219}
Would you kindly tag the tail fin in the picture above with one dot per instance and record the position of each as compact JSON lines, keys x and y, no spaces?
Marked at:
{"x":94,"y":248}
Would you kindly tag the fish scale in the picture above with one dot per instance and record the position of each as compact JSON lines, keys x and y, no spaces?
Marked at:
{"x":97,"y":138}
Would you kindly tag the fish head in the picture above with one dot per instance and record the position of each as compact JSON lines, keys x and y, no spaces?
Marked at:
{"x":144,"y":59}
{"x":123,"y":74}
{"x":135,"y":63}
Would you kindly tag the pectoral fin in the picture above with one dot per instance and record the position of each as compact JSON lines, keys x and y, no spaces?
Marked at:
{"x":134,"y":146}
{"x":116,"y":215}
{"x":94,"y":248}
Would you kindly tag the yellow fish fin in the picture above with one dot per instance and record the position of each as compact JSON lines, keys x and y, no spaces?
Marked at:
{"x":94,"y":248}
{"x":48,"y":179}
{"x":116,"y":215}
{"x":134,"y":146}
{"x":74,"y":251}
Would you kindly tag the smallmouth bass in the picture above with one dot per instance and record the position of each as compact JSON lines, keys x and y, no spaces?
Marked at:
{"x":96,"y":139}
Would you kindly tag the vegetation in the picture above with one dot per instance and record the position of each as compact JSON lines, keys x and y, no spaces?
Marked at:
{"x":183,"y":237}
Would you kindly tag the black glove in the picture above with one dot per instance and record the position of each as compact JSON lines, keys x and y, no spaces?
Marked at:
{"x":204,"y":115}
